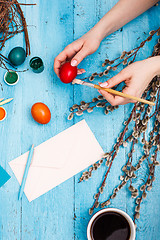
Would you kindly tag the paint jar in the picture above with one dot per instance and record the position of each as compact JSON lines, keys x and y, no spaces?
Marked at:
{"x":36,"y":64}
{"x":3,"y":114}
{"x":11,"y":78}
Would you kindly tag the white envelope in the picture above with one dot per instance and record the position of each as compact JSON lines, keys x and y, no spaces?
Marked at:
{"x":58,"y":159}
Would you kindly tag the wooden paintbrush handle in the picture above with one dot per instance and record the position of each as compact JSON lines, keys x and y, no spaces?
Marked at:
{"x":124,"y":95}
{"x":6,"y":101}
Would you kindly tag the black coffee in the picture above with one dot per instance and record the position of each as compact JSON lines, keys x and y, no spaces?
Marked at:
{"x":110,"y":226}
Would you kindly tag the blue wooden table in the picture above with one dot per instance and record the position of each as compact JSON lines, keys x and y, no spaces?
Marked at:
{"x":62,"y":213}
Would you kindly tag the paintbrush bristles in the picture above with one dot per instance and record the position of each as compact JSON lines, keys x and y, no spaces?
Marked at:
{"x":78,"y":81}
{"x":121,"y":94}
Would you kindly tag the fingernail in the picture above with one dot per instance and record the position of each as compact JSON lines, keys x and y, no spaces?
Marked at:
{"x":105,"y":84}
{"x":80,"y":72}
{"x":74,"y":63}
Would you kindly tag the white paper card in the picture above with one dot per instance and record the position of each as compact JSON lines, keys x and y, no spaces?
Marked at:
{"x":58,"y":159}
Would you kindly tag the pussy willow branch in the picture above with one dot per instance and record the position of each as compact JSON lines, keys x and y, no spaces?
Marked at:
{"x":111,"y":162}
{"x":89,"y":107}
{"x":98,"y":102}
{"x":125,"y":56}
{"x":130,"y":173}
{"x":134,"y":191}
{"x":136,"y":117}
{"x":147,"y":186}
{"x":141,"y":114}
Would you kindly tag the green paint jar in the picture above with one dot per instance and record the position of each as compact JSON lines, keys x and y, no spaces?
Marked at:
{"x":36,"y":64}
{"x":11,"y":78}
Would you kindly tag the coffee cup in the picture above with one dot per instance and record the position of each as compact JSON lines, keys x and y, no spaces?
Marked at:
{"x":109,"y":224}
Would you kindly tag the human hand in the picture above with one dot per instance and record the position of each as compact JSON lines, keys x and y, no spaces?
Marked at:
{"x":77,"y":51}
{"x":136,"y":76}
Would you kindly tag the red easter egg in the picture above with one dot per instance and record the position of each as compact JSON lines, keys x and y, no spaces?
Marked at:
{"x":41,"y":113}
{"x":67,"y":72}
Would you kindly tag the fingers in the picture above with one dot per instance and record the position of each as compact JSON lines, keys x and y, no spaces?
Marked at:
{"x":80,"y":71}
{"x":120,"y":77}
{"x":84,"y":52}
{"x":117,"y":100}
{"x":66,"y":54}
{"x":60,"y":59}
{"x":114,"y":100}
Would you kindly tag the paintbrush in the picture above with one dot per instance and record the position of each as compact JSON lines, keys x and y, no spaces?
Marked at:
{"x":1,"y":99}
{"x":78,"y":81}
{"x":6,"y":101}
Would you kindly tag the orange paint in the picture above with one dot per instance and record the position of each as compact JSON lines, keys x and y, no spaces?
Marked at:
{"x":2,"y":113}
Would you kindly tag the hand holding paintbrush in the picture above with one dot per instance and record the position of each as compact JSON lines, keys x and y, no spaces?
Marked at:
{"x":78,"y":81}
{"x":137,"y":77}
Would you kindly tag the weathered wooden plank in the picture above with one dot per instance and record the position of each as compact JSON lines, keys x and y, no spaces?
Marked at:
{"x":104,"y":127}
{"x":50,"y":216}
{"x":134,"y":33}
{"x":45,"y":21}
{"x":10,"y":147}
{"x":123,"y":200}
